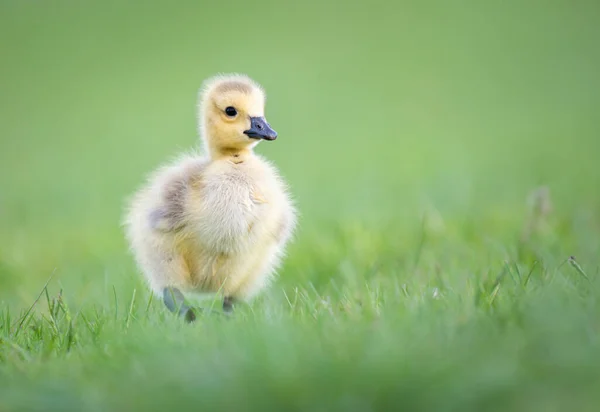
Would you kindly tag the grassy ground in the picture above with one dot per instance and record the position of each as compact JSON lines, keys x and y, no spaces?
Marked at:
{"x":431,"y":269}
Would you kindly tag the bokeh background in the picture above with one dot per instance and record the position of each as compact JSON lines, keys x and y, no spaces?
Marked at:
{"x":385,"y":109}
{"x":412,"y":134}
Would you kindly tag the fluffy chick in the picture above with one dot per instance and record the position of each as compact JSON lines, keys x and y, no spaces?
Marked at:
{"x":217,"y":222}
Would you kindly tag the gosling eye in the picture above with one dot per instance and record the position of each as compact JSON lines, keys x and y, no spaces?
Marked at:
{"x":230,"y":111}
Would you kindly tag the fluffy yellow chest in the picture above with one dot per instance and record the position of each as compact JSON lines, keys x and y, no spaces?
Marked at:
{"x":236,"y":206}
{"x":239,"y":214}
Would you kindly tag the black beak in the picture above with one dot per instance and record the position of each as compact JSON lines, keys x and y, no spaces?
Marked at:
{"x":260,"y":129}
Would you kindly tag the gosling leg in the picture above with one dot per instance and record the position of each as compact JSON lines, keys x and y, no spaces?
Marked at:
{"x":175,"y":302}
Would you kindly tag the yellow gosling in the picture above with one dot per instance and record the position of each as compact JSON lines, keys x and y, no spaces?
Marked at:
{"x":218,"y":222}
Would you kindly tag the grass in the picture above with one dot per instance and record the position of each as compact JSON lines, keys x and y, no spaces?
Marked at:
{"x":443,"y":157}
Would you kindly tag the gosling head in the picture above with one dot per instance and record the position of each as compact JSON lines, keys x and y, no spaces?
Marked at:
{"x":232,"y":114}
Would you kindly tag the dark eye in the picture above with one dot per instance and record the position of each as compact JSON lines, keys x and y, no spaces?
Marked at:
{"x":230,"y":111}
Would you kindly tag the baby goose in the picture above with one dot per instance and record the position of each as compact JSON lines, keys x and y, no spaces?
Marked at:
{"x":219,"y":222}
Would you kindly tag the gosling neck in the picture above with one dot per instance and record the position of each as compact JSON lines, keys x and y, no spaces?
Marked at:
{"x":233,"y":154}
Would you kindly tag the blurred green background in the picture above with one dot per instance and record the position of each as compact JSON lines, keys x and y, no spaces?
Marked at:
{"x":386,"y":110}
{"x":382,"y":108}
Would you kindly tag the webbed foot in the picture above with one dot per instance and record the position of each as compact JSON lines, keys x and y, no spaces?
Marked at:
{"x":228,"y":304}
{"x":175,"y":302}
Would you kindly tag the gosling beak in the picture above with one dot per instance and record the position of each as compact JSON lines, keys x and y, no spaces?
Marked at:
{"x":260,"y":129}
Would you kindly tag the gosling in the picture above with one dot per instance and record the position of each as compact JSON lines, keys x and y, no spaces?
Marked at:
{"x":218,"y":222}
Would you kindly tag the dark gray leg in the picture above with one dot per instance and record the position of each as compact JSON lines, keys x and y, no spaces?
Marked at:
{"x":175,"y":302}
{"x":228,"y":304}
